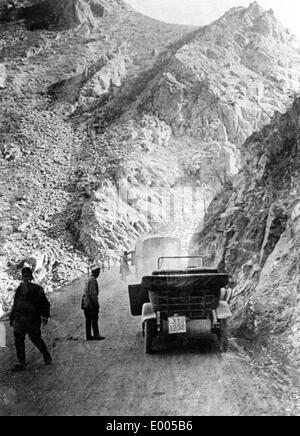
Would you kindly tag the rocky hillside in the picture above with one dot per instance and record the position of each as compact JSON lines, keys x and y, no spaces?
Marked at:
{"x":190,"y":112}
{"x":107,"y":116}
{"x":253,"y":231}
{"x":57,"y":57}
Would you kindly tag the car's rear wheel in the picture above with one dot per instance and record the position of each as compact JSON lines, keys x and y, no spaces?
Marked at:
{"x":223,"y":336}
{"x":149,"y":333}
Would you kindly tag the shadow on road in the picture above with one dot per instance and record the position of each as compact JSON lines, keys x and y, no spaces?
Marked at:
{"x":192,"y":344}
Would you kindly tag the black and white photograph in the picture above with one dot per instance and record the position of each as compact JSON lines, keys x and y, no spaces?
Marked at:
{"x":149,"y":211}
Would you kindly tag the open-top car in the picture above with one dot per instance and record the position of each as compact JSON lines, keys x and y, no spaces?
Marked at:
{"x":169,"y":299}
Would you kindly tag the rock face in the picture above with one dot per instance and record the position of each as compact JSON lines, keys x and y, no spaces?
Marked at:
{"x":227,"y":81}
{"x":210,"y":90}
{"x":252,"y":231}
{"x":53,"y":14}
{"x":59,"y":64}
{"x":85,"y":89}
{"x":98,"y":8}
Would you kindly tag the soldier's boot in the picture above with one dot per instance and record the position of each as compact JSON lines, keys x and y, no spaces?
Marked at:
{"x":88,"y":329}
{"x":97,"y":336}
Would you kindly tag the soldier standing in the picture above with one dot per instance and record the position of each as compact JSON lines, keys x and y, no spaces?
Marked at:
{"x":30,"y":309}
{"x":90,"y":306}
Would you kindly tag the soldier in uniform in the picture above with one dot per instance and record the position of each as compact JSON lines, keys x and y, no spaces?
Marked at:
{"x":90,"y":305}
{"x":30,"y":309}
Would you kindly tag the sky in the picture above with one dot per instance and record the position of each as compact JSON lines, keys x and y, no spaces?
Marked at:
{"x":202,"y":12}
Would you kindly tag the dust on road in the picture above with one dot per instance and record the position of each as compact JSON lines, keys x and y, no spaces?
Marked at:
{"x":114,"y":377}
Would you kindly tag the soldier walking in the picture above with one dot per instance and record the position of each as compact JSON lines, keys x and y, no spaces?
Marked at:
{"x":30,"y":309}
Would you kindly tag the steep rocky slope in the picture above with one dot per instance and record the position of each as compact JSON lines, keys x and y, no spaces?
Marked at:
{"x":253,"y":231}
{"x":190,"y":113}
{"x":75,"y":46}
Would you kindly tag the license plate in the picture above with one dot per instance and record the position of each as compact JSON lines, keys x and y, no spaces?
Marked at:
{"x":177,"y":324}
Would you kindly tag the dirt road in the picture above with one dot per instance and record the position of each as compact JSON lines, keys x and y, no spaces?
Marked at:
{"x":115,"y":377}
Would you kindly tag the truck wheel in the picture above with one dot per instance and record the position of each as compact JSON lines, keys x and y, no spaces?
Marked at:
{"x":148,"y":336}
{"x":223,"y":336}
